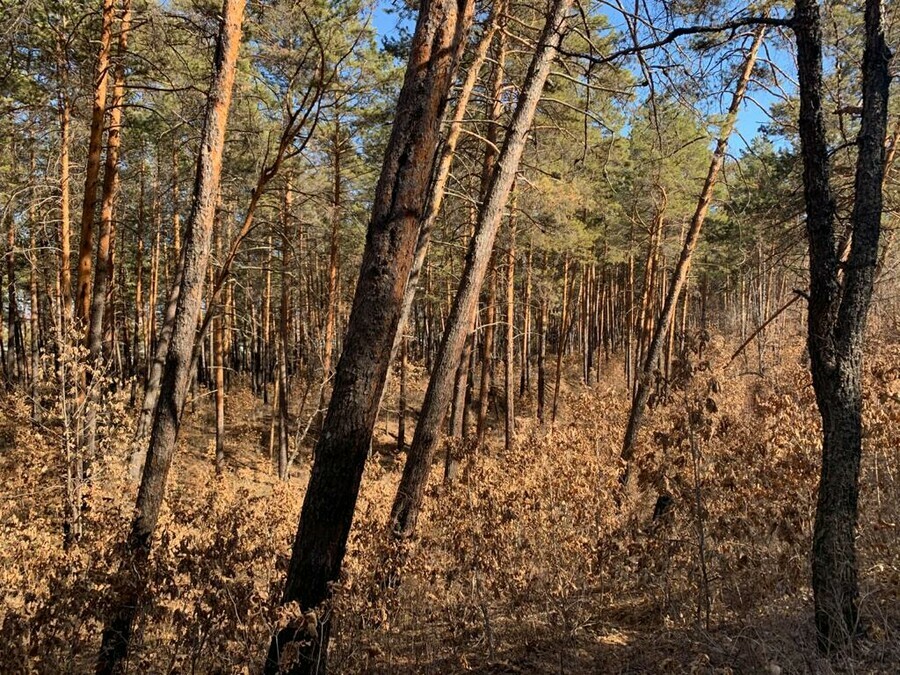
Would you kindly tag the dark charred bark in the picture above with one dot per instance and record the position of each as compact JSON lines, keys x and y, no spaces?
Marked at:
{"x":343,"y":445}
{"x":838,"y":311}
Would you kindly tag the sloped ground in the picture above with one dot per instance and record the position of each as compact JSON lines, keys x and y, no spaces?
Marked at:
{"x":534,"y":561}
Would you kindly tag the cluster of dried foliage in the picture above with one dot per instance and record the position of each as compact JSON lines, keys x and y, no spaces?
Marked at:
{"x":533,"y":562}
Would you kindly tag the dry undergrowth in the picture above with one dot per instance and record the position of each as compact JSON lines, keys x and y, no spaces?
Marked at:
{"x":533,"y":562}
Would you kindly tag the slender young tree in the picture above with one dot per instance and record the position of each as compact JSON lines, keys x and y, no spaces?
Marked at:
{"x":128,"y":589}
{"x":664,"y":322}
{"x":408,"y":500}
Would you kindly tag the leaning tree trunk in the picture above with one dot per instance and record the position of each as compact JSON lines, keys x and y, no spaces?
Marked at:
{"x":129,"y":587}
{"x":837,"y":316}
{"x":442,"y":174}
{"x":150,"y":399}
{"x":662,"y":326}
{"x":494,"y":111}
{"x":342,"y":448}
{"x":296,"y":121}
{"x":408,"y":499}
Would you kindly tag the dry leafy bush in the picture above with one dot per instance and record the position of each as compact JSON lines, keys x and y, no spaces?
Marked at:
{"x":535,"y":560}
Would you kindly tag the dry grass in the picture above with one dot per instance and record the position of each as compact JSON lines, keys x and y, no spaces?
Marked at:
{"x":533,"y":562}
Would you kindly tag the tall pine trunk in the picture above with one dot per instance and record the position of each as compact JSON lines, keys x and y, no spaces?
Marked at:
{"x":408,"y":499}
{"x":129,"y":587}
{"x":92,"y":173}
{"x":342,"y":448}
{"x":442,"y":173}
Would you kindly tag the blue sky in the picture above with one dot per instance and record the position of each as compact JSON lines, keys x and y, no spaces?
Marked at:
{"x":751,"y":116}
{"x":384,"y":21}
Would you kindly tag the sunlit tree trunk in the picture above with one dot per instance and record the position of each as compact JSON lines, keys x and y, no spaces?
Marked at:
{"x":341,"y":450}
{"x":103,"y":265}
{"x":442,"y":169}
{"x":408,"y":500}
{"x":65,"y":269}
{"x":92,"y":172}
{"x":128,"y":589}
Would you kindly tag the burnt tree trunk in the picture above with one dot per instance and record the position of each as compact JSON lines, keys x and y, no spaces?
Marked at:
{"x":342,"y":448}
{"x":838,"y":311}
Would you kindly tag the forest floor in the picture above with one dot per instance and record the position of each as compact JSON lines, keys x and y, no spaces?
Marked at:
{"x":533,"y":561}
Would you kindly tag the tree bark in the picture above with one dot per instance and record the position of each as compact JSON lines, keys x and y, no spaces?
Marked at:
{"x":154,"y":379}
{"x":92,"y":173}
{"x":128,"y":589}
{"x":510,"y":347}
{"x":408,"y":499}
{"x":104,"y":260}
{"x":341,"y":451}
{"x":14,"y":352}
{"x":102,"y":264}
{"x":401,"y":404}
{"x":140,"y":326}
{"x":284,"y":313}
{"x":65,"y":262}
{"x":336,"y":213}
{"x":837,"y":315}
{"x":442,"y":174}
